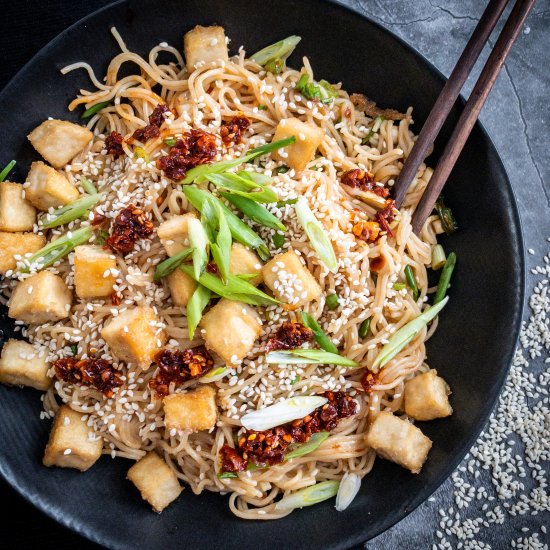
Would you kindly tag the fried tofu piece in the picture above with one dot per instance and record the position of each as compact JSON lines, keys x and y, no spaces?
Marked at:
{"x":59,"y":141}
{"x":290,"y":280}
{"x":91,"y":265}
{"x":22,"y":365}
{"x":48,"y":188}
{"x":181,"y":287}
{"x":427,"y":397}
{"x":41,"y":298}
{"x":70,"y":445}
{"x":173,"y":233}
{"x":230,"y":329}
{"x":192,"y":411}
{"x":399,"y":441}
{"x":134,"y":336}
{"x":243,"y":261}
{"x":155,"y":480}
{"x":308,"y":138}
{"x":205,"y":44}
{"x":14,"y":244}
{"x":16,"y":213}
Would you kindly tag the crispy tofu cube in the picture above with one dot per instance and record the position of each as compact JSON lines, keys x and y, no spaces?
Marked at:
{"x":230,"y":329}
{"x":22,"y":365}
{"x":155,"y":480}
{"x":290,"y":280}
{"x":205,"y":44}
{"x":192,"y":411}
{"x":181,"y":287}
{"x":173,"y":233}
{"x":399,"y":441}
{"x":59,"y":141}
{"x":302,"y":151}
{"x":427,"y":397}
{"x":134,"y":336}
{"x":91,"y":263}
{"x":70,"y":445}
{"x":243,"y":262}
{"x":48,"y":188}
{"x":13,"y":244}
{"x":16,"y":213}
{"x":41,"y":298}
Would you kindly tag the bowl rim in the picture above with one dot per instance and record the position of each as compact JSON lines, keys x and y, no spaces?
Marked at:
{"x":85,"y":530}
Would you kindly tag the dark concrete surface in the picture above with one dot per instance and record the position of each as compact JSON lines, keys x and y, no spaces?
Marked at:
{"x":516,"y":117}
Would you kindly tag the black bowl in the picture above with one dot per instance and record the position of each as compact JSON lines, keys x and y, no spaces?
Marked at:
{"x":472,"y":348}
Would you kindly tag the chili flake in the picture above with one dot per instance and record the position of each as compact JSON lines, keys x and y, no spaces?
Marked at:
{"x":369,"y":380}
{"x":231,"y":132}
{"x":385,"y":216}
{"x":131,"y":224}
{"x":361,"y":179}
{"x":366,"y":231}
{"x":152,"y":130}
{"x":290,"y":335}
{"x":113,"y":144}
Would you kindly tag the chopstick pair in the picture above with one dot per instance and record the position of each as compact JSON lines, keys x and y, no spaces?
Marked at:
{"x":447,"y":98}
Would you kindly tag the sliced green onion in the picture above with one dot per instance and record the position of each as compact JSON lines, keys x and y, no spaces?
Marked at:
{"x":171,"y":264}
{"x":8,"y":168}
{"x":170,"y":142}
{"x":234,"y":288}
{"x":323,"y":91}
{"x":399,"y":286}
{"x":411,"y":281}
{"x":214,"y":375}
{"x":198,"y":239}
{"x":279,"y":50}
{"x":200,"y":172}
{"x":221,"y":249}
{"x":74,"y":348}
{"x":262,"y":107}
{"x":445,"y":278}
{"x":405,"y":335}
{"x":312,"y":444}
{"x":366,"y":139}
{"x":262,"y":180}
{"x":275,"y":66}
{"x":349,"y":487}
{"x":255,"y":211}
{"x":102,"y":237}
{"x":320,"y":337}
{"x":438,"y":257}
{"x":141,"y":153}
{"x":316,"y":234}
{"x":282,"y":169}
{"x":280,"y":204}
{"x":308,"y":356}
{"x":278,"y":240}
{"x":88,"y":186}
{"x":227,"y":475}
{"x":332,"y":301}
{"x":364,"y":328}
{"x":295,"y":380}
{"x":57,"y":249}
{"x":243,"y":186}
{"x":446,"y":216}
{"x":239,"y":230}
{"x":195,"y":306}
{"x":309,"y":496}
{"x":282,"y":412}
{"x":70,"y":212}
{"x":247,"y":276}
{"x":94,"y":109}
{"x":377,"y":123}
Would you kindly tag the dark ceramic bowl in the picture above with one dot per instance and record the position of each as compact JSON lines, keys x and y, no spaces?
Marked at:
{"x":472,"y":348}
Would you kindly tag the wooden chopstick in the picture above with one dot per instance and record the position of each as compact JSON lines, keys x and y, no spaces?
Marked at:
{"x":471,"y":111}
{"x":444,"y":103}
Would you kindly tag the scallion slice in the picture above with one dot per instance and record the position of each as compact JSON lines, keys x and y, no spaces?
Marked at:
{"x":95,"y":109}
{"x":320,"y":337}
{"x":364,"y":328}
{"x":446,"y":216}
{"x":170,"y":142}
{"x":308,"y":356}
{"x":198,"y":301}
{"x":278,"y":240}
{"x":243,"y":186}
{"x":312,"y":444}
{"x":438,"y":257}
{"x":279,"y":50}
{"x":316,"y":234}
{"x":171,"y":264}
{"x":445,"y":278}
{"x":332,"y":301}
{"x":214,"y":375}
{"x":88,"y":186}
{"x":282,"y":412}
{"x":7,"y":169}
{"x":198,"y":239}
{"x":349,"y":487}
{"x":405,"y":335}
{"x":411,"y":281}
{"x":221,"y":249}
{"x":255,"y":211}
{"x":309,"y":496}
{"x":70,"y":212}
{"x":399,"y":286}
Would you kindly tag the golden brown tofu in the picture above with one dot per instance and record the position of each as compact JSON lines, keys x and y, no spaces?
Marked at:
{"x":399,"y":441}
{"x":173,"y":233}
{"x":48,"y":188}
{"x":59,"y":141}
{"x":134,"y":335}
{"x":245,"y":262}
{"x":17,"y":244}
{"x":22,"y":365}
{"x":70,"y":445}
{"x":155,"y":480}
{"x":16,"y":213}
{"x":290,"y":280}
{"x":308,"y":138}
{"x":41,"y":298}
{"x":204,"y":44}
{"x":230,"y":329}
{"x":181,"y":287}
{"x":192,"y":411}
{"x":427,"y":397}
{"x":93,"y":271}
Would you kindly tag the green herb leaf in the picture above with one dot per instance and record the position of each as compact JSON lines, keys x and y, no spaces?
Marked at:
{"x":171,"y":264}
{"x":70,"y":212}
{"x":308,"y":356}
{"x":95,"y":109}
{"x":88,"y":186}
{"x":195,"y":306}
{"x":309,"y":496}
{"x":260,"y":214}
{"x":312,"y":444}
{"x":364,"y":328}
{"x":8,"y":168}
{"x":445,"y":278}
{"x":320,"y":337}
{"x":279,"y":50}
{"x":332,"y":301}
{"x":411,"y":281}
